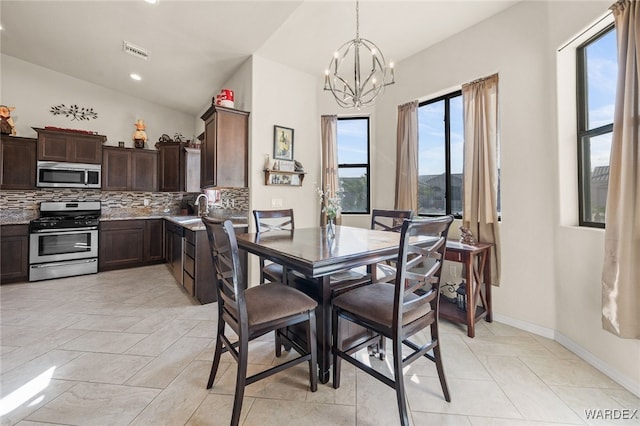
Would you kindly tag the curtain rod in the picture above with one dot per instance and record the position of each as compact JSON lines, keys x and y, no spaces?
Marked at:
{"x":606,"y":15}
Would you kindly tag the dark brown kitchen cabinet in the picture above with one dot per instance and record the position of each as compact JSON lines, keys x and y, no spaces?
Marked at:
{"x":224,"y":158}
{"x":130,"y":243}
{"x":17,"y":162}
{"x":129,"y":169}
{"x":71,"y":147}
{"x":14,"y":246}
{"x":144,"y":170}
{"x":171,"y":173}
{"x":153,"y":241}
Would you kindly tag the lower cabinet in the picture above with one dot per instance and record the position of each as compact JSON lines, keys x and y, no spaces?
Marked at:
{"x":14,"y":262}
{"x":130,"y":243}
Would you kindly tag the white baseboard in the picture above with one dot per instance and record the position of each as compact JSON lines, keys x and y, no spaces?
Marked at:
{"x":618,"y":377}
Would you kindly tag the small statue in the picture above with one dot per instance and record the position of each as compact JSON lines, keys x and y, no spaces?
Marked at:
{"x":6,"y":126}
{"x":466,"y":236}
{"x":140,"y":136}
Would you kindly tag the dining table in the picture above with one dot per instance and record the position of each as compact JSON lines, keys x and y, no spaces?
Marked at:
{"x":322,"y":263}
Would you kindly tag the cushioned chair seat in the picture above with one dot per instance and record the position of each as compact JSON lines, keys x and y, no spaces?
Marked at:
{"x":375,"y":303}
{"x":271,"y":301}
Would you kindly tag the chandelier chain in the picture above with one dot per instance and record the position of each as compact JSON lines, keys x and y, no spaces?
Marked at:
{"x":357,"y":20}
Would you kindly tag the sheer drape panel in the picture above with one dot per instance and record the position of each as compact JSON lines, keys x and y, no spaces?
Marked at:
{"x":480,"y":170}
{"x":330,"y":180}
{"x":407,"y":158}
{"x":621,"y":270}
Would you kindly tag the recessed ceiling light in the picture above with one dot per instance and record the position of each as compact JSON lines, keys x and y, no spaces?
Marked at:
{"x":152,"y":1}
{"x":135,"y":76}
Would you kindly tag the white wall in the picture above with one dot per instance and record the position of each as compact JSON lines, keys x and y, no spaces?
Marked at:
{"x":579,"y":251}
{"x":284,"y":96}
{"x":33,"y":90}
{"x":550,"y":271}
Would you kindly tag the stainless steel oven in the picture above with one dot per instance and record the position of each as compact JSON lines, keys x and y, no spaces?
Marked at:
{"x":64,"y":240}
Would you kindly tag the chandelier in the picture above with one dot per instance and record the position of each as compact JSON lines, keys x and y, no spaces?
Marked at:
{"x":349,"y":77}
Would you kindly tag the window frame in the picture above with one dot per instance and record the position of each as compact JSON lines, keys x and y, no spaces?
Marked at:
{"x":447,"y":149}
{"x":366,"y":166}
{"x":584,"y":135}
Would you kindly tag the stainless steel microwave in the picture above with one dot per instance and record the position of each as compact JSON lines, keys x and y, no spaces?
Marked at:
{"x":68,"y":175}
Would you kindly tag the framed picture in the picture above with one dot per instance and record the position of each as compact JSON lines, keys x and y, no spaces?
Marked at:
{"x":282,"y":143}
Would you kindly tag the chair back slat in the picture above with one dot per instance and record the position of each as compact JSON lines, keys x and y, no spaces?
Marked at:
{"x":389,"y":220}
{"x":226,"y":262}
{"x":421,"y":253}
{"x":274,"y":220}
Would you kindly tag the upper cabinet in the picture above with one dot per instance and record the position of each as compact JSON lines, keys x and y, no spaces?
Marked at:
{"x":171,"y":166}
{"x":69,"y":147}
{"x":129,"y":169}
{"x":224,"y":151}
{"x":179,"y":167}
{"x":17,"y":163}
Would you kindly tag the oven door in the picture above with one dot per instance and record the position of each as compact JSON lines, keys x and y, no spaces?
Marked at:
{"x":59,"y":245}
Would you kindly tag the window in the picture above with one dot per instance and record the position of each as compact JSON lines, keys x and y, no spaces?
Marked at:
{"x":597,"y":70}
{"x":353,"y":163}
{"x":440,"y":152}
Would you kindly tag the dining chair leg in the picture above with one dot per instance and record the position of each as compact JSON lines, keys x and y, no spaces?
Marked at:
{"x":312,"y":347}
{"x":241,"y":379}
{"x":438,"y":359}
{"x":217,"y":355}
{"x":278,"y":342}
{"x":399,"y":381}
{"x":335,"y":349}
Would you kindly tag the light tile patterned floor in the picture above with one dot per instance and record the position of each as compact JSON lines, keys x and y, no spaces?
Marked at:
{"x":130,"y":347}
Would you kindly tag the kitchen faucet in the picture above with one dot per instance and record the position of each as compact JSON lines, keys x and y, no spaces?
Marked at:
{"x":197,"y":203}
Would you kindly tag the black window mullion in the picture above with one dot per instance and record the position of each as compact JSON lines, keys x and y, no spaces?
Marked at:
{"x":447,"y":154}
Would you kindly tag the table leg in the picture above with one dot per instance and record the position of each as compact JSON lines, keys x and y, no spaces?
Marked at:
{"x":324,"y":329}
{"x":487,"y":286}
{"x":471,"y":300}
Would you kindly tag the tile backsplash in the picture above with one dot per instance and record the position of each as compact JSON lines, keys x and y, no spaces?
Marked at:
{"x":24,"y":204}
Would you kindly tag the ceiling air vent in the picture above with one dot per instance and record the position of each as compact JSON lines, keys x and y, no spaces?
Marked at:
{"x":134,"y":50}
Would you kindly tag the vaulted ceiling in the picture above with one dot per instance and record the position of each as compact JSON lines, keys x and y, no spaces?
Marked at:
{"x":195,"y":46}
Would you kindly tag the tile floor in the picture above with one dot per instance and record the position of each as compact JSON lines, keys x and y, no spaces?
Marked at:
{"x":130,"y":347}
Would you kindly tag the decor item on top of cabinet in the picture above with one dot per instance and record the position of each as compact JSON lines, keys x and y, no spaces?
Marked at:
{"x":7,"y":127}
{"x":74,"y":112}
{"x":282,"y":143}
{"x":224,"y":98}
{"x":140,"y":136}
{"x":164,"y":138}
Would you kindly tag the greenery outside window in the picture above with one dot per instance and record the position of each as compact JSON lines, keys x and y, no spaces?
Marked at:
{"x":596,"y":80}
{"x":353,"y":164}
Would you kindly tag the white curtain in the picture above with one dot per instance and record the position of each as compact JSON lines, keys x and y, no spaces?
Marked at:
{"x":621,"y":271}
{"x":329,"y":160}
{"x":480,"y":169}
{"x":407,"y":158}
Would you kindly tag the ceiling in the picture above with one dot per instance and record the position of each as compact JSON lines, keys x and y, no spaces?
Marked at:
{"x":195,"y":46}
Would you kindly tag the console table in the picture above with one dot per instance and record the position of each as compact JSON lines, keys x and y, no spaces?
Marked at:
{"x":477,"y":261}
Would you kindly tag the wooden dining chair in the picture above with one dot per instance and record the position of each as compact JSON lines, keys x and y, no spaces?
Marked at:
{"x":388,"y":220}
{"x":399,"y":310}
{"x":273,"y":220}
{"x":252,"y":312}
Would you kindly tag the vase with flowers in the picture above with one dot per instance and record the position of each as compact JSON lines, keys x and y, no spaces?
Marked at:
{"x":331,"y":206}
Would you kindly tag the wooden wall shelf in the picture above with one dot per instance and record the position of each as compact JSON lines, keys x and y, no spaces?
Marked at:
{"x":283,"y":178}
